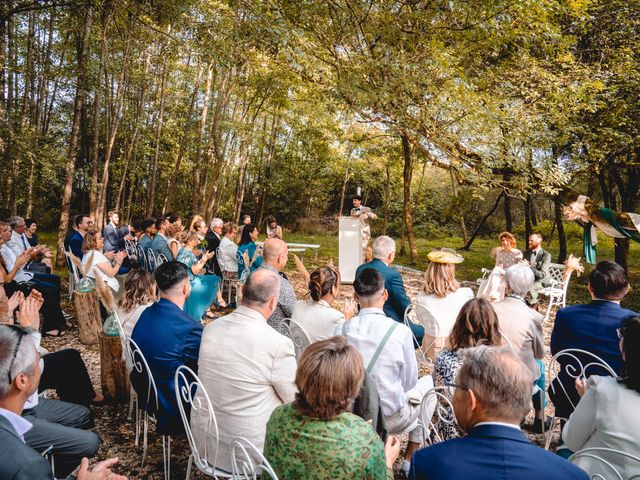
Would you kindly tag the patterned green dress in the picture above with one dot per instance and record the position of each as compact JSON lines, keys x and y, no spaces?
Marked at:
{"x":302,"y":447}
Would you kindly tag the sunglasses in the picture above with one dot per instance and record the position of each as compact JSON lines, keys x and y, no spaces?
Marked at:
{"x":21,"y":334}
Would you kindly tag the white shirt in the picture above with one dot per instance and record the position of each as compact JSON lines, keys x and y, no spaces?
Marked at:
{"x":19,"y":424}
{"x":18,"y":243}
{"x":10,"y":260}
{"x":228,"y":251}
{"x":396,"y":370}
{"x":501,"y":424}
{"x":445,"y":309}
{"x":97,"y":259}
{"x":318,"y":319}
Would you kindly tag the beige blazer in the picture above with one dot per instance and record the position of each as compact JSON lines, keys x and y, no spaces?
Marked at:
{"x":248,"y":369}
{"x":523,"y":328}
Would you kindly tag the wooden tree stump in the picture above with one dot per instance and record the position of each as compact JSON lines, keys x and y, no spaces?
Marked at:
{"x":114,"y":377}
{"x":88,"y":313}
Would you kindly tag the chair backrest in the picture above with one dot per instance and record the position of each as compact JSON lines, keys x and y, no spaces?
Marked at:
{"x":556,"y":271}
{"x":193,"y":397}
{"x":144,"y":385}
{"x":428,"y":321}
{"x":248,"y":463}
{"x":142,"y":260}
{"x":300,"y":338}
{"x":77,"y":275}
{"x":151,"y":261}
{"x":160,"y":259}
{"x":600,"y":463}
{"x":130,"y":248}
{"x":123,"y":342}
{"x":579,"y":364}
{"x":432,"y":415}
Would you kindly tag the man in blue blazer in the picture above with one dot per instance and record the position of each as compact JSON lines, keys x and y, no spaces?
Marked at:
{"x":384,"y":252}
{"x":492,"y":396}
{"x":591,"y":327}
{"x":114,"y":236}
{"x":168,"y":338}
{"x":159,"y":243}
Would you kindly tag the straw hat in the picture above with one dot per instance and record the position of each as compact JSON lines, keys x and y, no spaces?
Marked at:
{"x":445,"y":255}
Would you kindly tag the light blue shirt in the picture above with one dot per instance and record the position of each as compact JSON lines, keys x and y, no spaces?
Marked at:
{"x":19,"y":424}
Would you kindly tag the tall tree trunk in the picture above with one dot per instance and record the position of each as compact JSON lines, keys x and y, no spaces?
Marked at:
{"x":197,"y":168}
{"x":242,"y":177}
{"x":154,"y":164}
{"x":508,"y":219}
{"x":343,"y":192}
{"x":81,"y":85}
{"x":473,"y":236}
{"x":95,"y":122}
{"x":562,"y":237}
{"x":458,"y":204}
{"x":387,"y":196}
{"x":406,"y":200}
{"x":528,"y":229}
{"x":267,"y":169}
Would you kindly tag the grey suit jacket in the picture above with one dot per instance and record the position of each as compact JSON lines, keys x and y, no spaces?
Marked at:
{"x":18,"y":461}
{"x":159,"y":245}
{"x":542,"y":265}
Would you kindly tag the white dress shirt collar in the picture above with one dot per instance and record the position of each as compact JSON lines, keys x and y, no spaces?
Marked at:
{"x":19,"y":424}
{"x":501,"y":424}
{"x":251,"y":313}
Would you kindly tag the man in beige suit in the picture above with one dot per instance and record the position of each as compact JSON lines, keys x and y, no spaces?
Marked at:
{"x":247,"y":368}
{"x":522,"y":328}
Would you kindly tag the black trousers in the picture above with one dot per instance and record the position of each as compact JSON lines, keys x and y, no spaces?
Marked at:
{"x":53,"y":319}
{"x":65,"y":372}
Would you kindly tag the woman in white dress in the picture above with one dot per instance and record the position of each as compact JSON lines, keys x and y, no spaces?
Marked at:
{"x":316,"y":316}
{"x":140,"y":291}
{"x":506,"y":255}
{"x":443,"y":297}
{"x":273,"y":229}
{"x":94,"y":260}
{"x":607,"y":414}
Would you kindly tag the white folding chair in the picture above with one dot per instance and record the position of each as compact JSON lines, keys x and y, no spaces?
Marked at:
{"x":132,"y":251}
{"x":190,"y":391}
{"x":431,"y":327}
{"x":300,"y":338}
{"x":606,"y":463}
{"x":431,"y":416}
{"x":148,"y":400}
{"x":247,"y":462}
{"x":160,"y":259}
{"x":142,"y":259}
{"x":228,"y":277}
{"x":410,"y":317}
{"x":557,"y":291}
{"x":74,"y":273}
{"x":580,"y":364}
{"x":133,"y":397}
{"x":152,"y":263}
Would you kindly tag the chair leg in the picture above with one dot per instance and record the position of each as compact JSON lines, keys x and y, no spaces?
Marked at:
{"x":138,"y":417}
{"x":546,"y":315}
{"x":189,"y":467}
{"x":144,"y":438}
{"x":166,"y":456}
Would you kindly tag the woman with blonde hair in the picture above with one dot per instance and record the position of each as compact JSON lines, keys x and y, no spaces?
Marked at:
{"x":493,"y":288}
{"x":442,"y":296}
{"x":316,"y":316}
{"x":140,"y":292}
{"x":194,"y":223}
{"x":94,"y":260}
{"x":174,"y":231}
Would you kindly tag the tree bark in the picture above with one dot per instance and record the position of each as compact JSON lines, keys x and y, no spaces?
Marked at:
{"x":528,"y":229}
{"x":387,"y":197}
{"x":114,"y":377}
{"x":81,"y":85}
{"x":562,"y":237}
{"x":88,"y":312}
{"x":406,"y":200}
{"x":473,"y":236}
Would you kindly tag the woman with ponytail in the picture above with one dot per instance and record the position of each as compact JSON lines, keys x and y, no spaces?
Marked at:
{"x":316,"y":316}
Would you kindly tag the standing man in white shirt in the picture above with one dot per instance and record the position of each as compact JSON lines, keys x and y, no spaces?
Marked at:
{"x":390,"y":359}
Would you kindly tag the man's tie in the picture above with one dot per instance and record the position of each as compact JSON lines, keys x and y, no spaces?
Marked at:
{"x":24,"y":242}
{"x":533,"y":258}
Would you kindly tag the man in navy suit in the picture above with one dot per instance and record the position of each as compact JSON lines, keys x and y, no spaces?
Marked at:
{"x":492,"y":396}
{"x":114,"y":236}
{"x":75,"y":238}
{"x":384,"y":252}
{"x":591,"y":327}
{"x":168,"y":338}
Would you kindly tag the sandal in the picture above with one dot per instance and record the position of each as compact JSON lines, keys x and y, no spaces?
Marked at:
{"x":59,"y":334}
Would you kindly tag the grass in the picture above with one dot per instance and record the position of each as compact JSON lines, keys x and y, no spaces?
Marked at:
{"x":475,"y":259}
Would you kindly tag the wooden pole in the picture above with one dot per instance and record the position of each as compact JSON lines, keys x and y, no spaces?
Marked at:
{"x":88,"y":313}
{"x":114,"y":377}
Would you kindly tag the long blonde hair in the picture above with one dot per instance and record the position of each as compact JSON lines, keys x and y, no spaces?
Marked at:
{"x":440,"y":279}
{"x":139,"y":289}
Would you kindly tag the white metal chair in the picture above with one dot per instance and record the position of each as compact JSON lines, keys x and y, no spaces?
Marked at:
{"x":228,"y":277}
{"x":284,"y":329}
{"x":132,"y":251}
{"x":593,"y":461}
{"x":410,"y":316}
{"x":247,"y":462}
{"x":190,"y":391}
{"x":557,"y":291}
{"x":300,"y":338}
{"x":142,"y":259}
{"x":74,"y":273}
{"x":580,"y":364}
{"x":152,"y":263}
{"x":432,"y":415}
{"x":147,"y":401}
{"x":133,"y":397}
{"x":160,"y":259}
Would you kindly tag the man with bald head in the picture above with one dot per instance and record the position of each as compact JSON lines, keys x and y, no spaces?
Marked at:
{"x":274,"y":258}
{"x":247,"y":368}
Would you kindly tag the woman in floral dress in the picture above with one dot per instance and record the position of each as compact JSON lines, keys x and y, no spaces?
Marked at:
{"x":204,"y":288}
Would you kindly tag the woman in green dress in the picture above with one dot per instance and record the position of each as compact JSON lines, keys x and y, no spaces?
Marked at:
{"x":204,"y":288}
{"x":316,"y":437}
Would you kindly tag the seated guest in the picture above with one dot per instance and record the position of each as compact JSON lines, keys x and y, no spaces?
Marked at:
{"x":174,"y":232}
{"x":384,"y":252}
{"x":15,"y":278}
{"x":31,"y":231}
{"x":247,"y":368}
{"x":591,"y":327}
{"x":442,"y":296}
{"x":159,"y":243}
{"x":114,"y":236}
{"x":316,"y":316}
{"x":19,"y":459}
{"x":248,"y":245}
{"x":316,"y":437}
{"x":74,"y":241}
{"x":41,"y":256}
{"x":94,"y":260}
{"x":148,"y":226}
{"x":492,"y":395}
{"x":174,"y":218}
{"x":522,"y":328}
{"x":139,"y":293}
{"x":276,"y":255}
{"x":273,"y":229}
{"x":193,"y":226}
{"x":228,"y":249}
{"x":204,"y":288}
{"x":507,"y":254}
{"x":477,"y":324}
{"x":200,"y":229}
{"x":244,"y":221}
{"x":390,"y":359}
{"x":607,"y":414}
{"x":540,"y":262}
{"x":214,"y":238}
{"x":168,"y":337}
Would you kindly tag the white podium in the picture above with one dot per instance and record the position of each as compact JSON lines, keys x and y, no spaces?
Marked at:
{"x":350,"y":248}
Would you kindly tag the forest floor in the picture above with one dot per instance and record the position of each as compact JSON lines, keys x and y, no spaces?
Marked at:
{"x":118,"y":433}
